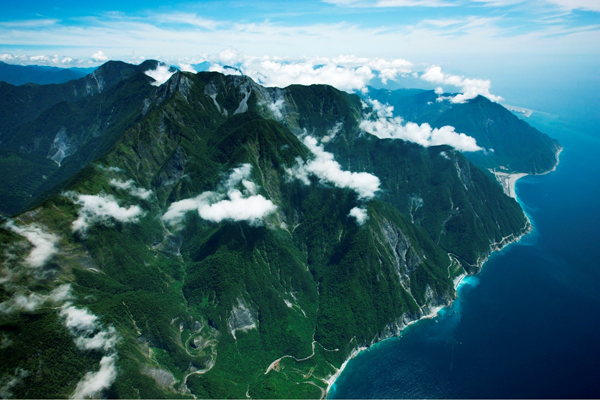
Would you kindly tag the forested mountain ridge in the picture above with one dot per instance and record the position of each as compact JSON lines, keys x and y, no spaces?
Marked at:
{"x":49,"y":132}
{"x":511,"y":145}
{"x":234,"y":240}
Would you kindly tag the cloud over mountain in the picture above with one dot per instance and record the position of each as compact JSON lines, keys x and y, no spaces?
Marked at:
{"x":130,"y":187}
{"x":94,"y":382}
{"x":360,"y":214}
{"x":470,"y":88}
{"x":348,"y":73}
{"x":324,"y":167}
{"x":44,"y":243}
{"x":100,"y":209}
{"x":383,"y":125}
{"x":229,"y":202}
{"x":161,"y":74}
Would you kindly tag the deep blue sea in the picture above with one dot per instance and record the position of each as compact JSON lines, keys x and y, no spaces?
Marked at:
{"x":528,"y":326}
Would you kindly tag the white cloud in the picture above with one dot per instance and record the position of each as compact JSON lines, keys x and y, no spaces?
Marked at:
{"x":384,"y":126}
{"x":414,"y":3}
{"x":360,"y":214}
{"x":160,"y":75}
{"x":95,"y":382}
{"x":272,"y":72}
{"x":109,"y":169}
{"x":324,"y":167}
{"x":20,"y":302}
{"x":8,"y":382}
{"x":44,"y":243}
{"x":100,"y":209}
{"x":87,"y":330}
{"x":588,"y":5}
{"x":237,"y":208}
{"x":61,"y":293}
{"x":348,"y":73}
{"x":332,"y":133}
{"x":103,"y":340}
{"x":391,"y":3}
{"x":78,"y":320}
{"x":229,"y":56}
{"x":276,"y":107}
{"x":566,"y":5}
{"x":99,"y":56}
{"x":130,"y":186}
{"x":177,"y":210}
{"x":238,"y":175}
{"x":229,"y":203}
{"x":189,"y":19}
{"x":185,"y":67}
{"x":470,"y":88}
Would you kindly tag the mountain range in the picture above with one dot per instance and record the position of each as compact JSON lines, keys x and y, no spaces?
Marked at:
{"x":211,"y":237}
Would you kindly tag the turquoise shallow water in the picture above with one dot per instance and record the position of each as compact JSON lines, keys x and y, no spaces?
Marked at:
{"x":528,"y":326}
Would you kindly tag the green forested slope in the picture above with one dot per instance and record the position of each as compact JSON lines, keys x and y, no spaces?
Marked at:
{"x":237,"y":306}
{"x":511,"y":144}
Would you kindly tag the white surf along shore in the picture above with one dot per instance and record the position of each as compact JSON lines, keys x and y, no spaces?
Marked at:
{"x":508,"y":182}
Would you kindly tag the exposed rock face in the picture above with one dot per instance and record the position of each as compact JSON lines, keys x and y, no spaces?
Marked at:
{"x":242,"y":318}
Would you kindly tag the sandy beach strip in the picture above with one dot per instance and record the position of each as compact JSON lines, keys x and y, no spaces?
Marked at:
{"x":508,"y":181}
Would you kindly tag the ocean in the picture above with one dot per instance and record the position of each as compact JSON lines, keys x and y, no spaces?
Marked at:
{"x":527,"y":326}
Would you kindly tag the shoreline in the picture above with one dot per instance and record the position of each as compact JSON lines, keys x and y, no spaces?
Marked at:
{"x":494,"y":247}
{"x":510,"y":180}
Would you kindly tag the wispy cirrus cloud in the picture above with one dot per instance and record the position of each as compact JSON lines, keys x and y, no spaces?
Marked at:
{"x":174,"y":35}
{"x":29,"y":23}
{"x":567,"y":5}
{"x":188,"y":19}
{"x":393,"y":3}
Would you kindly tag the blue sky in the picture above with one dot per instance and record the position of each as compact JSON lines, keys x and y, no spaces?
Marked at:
{"x":419,"y":29}
{"x":511,"y":42}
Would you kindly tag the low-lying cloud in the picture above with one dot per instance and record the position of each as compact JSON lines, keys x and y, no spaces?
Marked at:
{"x":87,"y":330}
{"x":276,"y":108}
{"x":383,"y":125}
{"x":360,"y":214}
{"x":21,"y":302}
{"x":470,"y":88}
{"x":44,"y":243}
{"x":95,"y":382}
{"x":101,"y":209}
{"x":131,"y":187}
{"x":8,"y":382}
{"x":89,"y":334}
{"x":237,"y":208}
{"x":235,"y":200}
{"x":160,"y":75}
{"x":326,"y":169}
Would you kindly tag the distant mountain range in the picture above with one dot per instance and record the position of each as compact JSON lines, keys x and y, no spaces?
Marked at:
{"x":41,"y":75}
{"x":211,"y":237}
